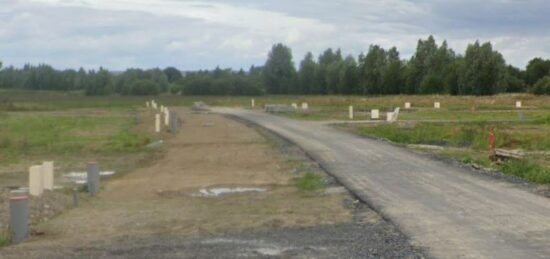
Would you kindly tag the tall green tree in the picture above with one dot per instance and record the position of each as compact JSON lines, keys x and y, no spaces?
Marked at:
{"x":537,"y":68}
{"x":483,"y":71}
{"x":372,"y":70}
{"x":349,"y":76}
{"x":307,"y":74}
{"x":392,"y":75}
{"x":279,"y":71}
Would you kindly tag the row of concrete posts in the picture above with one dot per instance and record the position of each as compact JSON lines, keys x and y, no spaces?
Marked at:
{"x":165,"y":117}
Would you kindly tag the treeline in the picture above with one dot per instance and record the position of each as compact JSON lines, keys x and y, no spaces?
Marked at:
{"x":433,"y":69}
{"x":92,"y":82}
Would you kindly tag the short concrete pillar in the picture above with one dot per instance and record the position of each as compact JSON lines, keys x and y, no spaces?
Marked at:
{"x":162,"y":108}
{"x":375,"y":114}
{"x":252,"y":103}
{"x":166,"y":116}
{"x":518,"y":104}
{"x":350,"y":110}
{"x":295,"y":105}
{"x":93,"y":176}
{"x":147,"y":104}
{"x":437,"y":105}
{"x":157,"y":123}
{"x":395,"y":114}
{"x":36,"y":182}
{"x":48,"y":175}
{"x":305,"y":106}
{"x":174,"y":123}
{"x":19,"y":216}
{"x":407,"y":105}
{"x":389,"y":116}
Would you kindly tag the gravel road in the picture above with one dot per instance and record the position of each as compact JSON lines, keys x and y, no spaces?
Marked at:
{"x":451,"y":211}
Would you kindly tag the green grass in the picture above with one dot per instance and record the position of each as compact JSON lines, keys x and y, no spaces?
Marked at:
{"x":310,"y":182}
{"x":4,"y":239}
{"x":527,"y":136}
{"x":526,"y":169}
{"x":29,"y":134}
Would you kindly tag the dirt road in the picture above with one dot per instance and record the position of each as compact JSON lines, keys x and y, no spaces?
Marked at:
{"x":159,"y":211}
{"x":451,"y":211}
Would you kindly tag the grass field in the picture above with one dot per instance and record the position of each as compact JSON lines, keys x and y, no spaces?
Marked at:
{"x":53,"y":123}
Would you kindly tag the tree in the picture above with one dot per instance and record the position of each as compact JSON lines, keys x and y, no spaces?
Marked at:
{"x":483,"y":70}
{"x":536,"y":69}
{"x":349,"y":77}
{"x":392,"y":78}
{"x":542,"y":86}
{"x":279,"y":72}
{"x":432,"y":84}
{"x":372,"y":68}
{"x":307,"y":74}
{"x":172,"y":74}
{"x":144,"y":87}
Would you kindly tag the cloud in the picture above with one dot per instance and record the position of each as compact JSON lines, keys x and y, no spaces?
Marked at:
{"x":203,"y":34}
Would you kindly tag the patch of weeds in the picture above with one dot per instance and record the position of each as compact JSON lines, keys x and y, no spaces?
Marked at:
{"x":127,"y":141}
{"x":310,"y":182}
{"x":527,"y":170}
{"x":4,"y":239}
{"x":545,"y":120}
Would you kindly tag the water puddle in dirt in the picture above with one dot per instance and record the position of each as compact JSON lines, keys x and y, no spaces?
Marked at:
{"x":216,"y":192}
{"x":81,"y":177}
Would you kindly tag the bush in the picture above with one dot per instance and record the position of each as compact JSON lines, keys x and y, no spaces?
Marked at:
{"x":145,"y":87}
{"x":310,"y":182}
{"x":542,"y":86}
{"x":527,"y":170}
{"x":432,"y":84}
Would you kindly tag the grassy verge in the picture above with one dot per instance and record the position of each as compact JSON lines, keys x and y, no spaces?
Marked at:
{"x":467,"y":142}
{"x":309,"y":182}
{"x":4,"y":239}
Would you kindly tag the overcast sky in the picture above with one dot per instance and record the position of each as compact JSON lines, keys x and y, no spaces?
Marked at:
{"x":190,"y":35}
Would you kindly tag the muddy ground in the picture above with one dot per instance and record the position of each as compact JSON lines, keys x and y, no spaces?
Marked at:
{"x":158,"y":211}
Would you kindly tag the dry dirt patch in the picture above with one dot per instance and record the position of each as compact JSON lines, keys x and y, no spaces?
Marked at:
{"x":210,"y":151}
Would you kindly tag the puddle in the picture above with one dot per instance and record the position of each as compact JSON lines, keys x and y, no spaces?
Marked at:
{"x":81,"y":177}
{"x":215,"y":192}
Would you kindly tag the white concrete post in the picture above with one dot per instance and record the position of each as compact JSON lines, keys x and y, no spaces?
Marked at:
{"x":305,"y":106}
{"x":407,"y":105}
{"x":36,"y":187}
{"x":253,"y":103}
{"x":395,"y":114}
{"x":47,"y":175}
{"x":351,"y":112}
{"x":437,"y":105}
{"x":375,"y":114}
{"x":389,"y":116}
{"x":157,"y":123}
{"x":295,"y":105}
{"x":166,"y":116}
{"x":162,"y":108}
{"x":147,"y":104}
{"x":518,"y":104}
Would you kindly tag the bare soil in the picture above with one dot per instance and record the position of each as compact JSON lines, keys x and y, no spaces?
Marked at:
{"x":155,"y":211}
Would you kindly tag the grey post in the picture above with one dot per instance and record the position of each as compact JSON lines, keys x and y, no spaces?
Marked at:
{"x":173,"y":122}
{"x":93,"y":178}
{"x":19,"y":216}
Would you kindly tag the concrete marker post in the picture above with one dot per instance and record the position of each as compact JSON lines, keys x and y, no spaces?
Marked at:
{"x":19,"y":216}
{"x":47,"y":175}
{"x":305,"y":106}
{"x":407,"y":105}
{"x":375,"y":114}
{"x":166,"y":117}
{"x":389,"y":116}
{"x":36,"y":182}
{"x":147,"y":104}
{"x":295,"y":106}
{"x":437,"y":105}
{"x":93,"y":177}
{"x":173,"y":123}
{"x":253,"y":103}
{"x":518,"y":104}
{"x":157,"y":123}
{"x":351,"y":112}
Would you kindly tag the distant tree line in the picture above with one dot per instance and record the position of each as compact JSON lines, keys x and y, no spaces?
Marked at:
{"x":432,"y":69}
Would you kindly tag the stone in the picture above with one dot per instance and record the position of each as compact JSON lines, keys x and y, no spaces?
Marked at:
{"x":375,"y":114}
{"x":48,"y":175}
{"x":157,"y":123}
{"x":36,"y":182}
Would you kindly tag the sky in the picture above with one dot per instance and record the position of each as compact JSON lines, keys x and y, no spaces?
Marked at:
{"x":192,"y":35}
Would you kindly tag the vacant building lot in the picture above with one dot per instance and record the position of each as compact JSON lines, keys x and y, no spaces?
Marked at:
{"x":164,"y":202}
